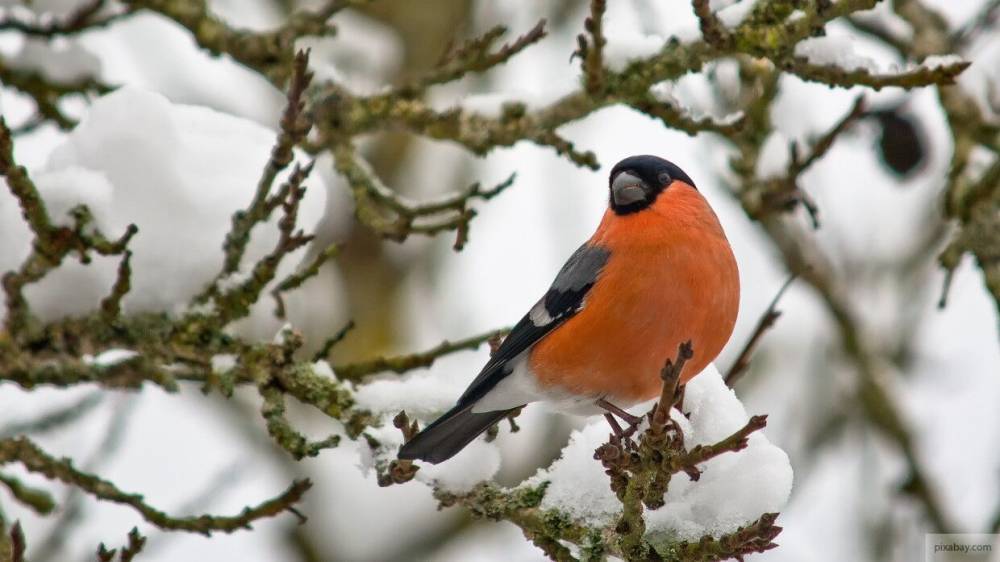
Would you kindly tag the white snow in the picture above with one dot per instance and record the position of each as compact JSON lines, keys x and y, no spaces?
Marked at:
{"x":839,"y":50}
{"x":363,"y":56}
{"x":109,"y":357}
{"x":834,"y":50}
{"x":323,"y":368}
{"x":940,"y":61}
{"x":422,"y":395}
{"x":774,"y":156}
{"x":734,"y":489}
{"x":223,"y":362}
{"x":478,"y":462}
{"x":733,"y":15}
{"x":625,"y":48}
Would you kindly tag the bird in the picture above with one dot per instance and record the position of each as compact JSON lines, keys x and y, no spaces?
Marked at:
{"x":657,"y":272}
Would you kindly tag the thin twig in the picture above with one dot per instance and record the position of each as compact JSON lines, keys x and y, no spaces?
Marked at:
{"x":408,"y":362}
{"x":766,"y":321}
{"x":22,"y":451}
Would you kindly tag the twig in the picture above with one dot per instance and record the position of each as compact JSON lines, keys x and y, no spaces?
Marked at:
{"x":273,"y":412}
{"x":73,"y":510}
{"x":21,"y":450}
{"x":17,"y":543}
{"x":51,"y":243}
{"x":234,"y":303}
{"x":394,"y":218}
{"x":712,"y":29}
{"x":823,"y":144}
{"x":474,"y":56}
{"x":54,"y":418}
{"x":38,"y":500}
{"x":328,"y":345}
{"x":295,"y":280}
{"x":702,"y":453}
{"x":400,"y":471}
{"x":295,"y":125}
{"x":766,"y":321}
{"x":671,"y":376}
{"x":403,"y":363}
{"x":833,"y":75}
{"x":591,"y":52}
{"x":111,"y":305}
{"x":136,"y":543}
{"x":755,"y":537}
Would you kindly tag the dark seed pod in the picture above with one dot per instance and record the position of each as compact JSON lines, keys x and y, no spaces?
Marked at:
{"x":901,"y":145}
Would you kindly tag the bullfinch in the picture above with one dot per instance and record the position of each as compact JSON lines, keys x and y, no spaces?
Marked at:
{"x":657,"y":272}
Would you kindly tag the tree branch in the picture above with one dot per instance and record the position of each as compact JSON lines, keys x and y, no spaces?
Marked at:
{"x":22,"y":451}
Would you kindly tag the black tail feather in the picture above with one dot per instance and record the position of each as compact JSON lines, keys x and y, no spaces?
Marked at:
{"x":449,"y":434}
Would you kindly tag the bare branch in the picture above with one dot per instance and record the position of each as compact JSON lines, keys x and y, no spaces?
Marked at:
{"x":294,"y":126}
{"x":392,"y":217}
{"x":136,"y":543}
{"x":330,"y":343}
{"x":712,"y":29}
{"x":766,"y":321}
{"x":475,"y":56}
{"x":22,"y":451}
{"x":833,"y":75}
{"x":591,"y":52}
{"x":38,"y":500}
{"x":403,"y":363}
{"x":756,"y":537}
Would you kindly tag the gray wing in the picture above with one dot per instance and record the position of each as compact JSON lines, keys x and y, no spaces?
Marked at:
{"x":564,"y":298}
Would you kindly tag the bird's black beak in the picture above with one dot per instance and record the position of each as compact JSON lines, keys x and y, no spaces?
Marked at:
{"x":627,"y":189}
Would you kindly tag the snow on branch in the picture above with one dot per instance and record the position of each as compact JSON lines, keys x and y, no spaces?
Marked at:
{"x":704,"y":484}
{"x":635,"y":509}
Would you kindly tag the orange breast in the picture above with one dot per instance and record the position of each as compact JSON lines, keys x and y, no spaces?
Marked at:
{"x":671,"y":277}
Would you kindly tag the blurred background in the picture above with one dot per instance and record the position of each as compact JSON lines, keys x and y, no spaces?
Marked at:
{"x":879,"y":193}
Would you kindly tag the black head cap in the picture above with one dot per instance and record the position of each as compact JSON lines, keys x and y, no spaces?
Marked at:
{"x":636,"y":181}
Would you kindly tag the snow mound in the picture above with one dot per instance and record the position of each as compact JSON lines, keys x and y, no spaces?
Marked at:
{"x":734,"y":489}
{"x":178,"y":172}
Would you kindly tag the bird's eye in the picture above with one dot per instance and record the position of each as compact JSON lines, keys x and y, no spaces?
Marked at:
{"x":664,"y":178}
